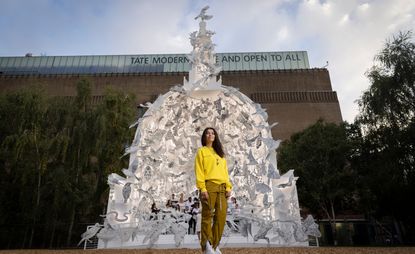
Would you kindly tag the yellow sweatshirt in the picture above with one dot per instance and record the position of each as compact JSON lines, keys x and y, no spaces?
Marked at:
{"x":210,"y":166}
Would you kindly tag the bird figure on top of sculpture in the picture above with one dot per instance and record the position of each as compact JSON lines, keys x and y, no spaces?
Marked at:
{"x":202,"y":15}
{"x":202,"y":59}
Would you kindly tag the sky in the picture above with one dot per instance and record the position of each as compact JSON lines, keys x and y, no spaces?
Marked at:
{"x":345,"y":33}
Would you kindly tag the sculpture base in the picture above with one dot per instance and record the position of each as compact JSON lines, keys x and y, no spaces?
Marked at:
{"x":192,"y":242}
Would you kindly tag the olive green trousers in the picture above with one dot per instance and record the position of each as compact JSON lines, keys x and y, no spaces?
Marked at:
{"x":213,"y":209}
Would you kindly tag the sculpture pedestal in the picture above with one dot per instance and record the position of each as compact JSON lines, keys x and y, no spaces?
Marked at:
{"x":192,"y":242}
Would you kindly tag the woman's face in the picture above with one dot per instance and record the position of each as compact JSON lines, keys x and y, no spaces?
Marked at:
{"x":210,"y":136}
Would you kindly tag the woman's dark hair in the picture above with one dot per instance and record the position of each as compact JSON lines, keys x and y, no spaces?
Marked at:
{"x":217,"y":146}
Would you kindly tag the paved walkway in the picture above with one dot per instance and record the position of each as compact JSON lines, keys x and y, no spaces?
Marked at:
{"x":283,"y":250}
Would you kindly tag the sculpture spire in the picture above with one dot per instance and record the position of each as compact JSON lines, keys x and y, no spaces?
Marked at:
{"x":203,"y":68}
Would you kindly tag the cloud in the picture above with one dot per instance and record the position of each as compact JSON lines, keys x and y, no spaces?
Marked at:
{"x":346,"y":33}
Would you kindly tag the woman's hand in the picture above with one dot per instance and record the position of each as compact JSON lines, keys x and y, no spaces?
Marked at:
{"x":205,"y":195}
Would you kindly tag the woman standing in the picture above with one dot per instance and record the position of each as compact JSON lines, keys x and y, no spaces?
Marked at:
{"x":212,"y":179}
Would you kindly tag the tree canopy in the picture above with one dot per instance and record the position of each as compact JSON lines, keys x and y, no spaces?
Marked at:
{"x":385,"y":157}
{"x":370,"y":163}
{"x":55,"y":155}
{"x":319,"y":155}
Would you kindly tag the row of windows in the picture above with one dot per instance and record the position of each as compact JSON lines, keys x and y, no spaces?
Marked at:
{"x":80,"y":70}
{"x":271,"y":97}
{"x":147,"y":63}
{"x":91,"y":69}
{"x":286,"y":97}
{"x":78,"y":65}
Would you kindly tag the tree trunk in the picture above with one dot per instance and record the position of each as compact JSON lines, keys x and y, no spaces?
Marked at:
{"x":68,"y":239}
{"x":39,"y":181}
{"x":72,"y":219}
{"x":333,"y":223}
{"x":24,"y":238}
{"x":52,"y":237}
{"x":332,"y":220}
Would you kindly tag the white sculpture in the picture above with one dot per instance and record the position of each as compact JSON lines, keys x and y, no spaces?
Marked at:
{"x":162,"y":157}
{"x":204,"y":70}
{"x":90,"y":233}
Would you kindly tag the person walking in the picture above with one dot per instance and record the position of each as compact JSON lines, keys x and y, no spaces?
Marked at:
{"x":212,"y":180}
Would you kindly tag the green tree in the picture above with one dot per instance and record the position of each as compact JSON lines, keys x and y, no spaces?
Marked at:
{"x":81,"y":143}
{"x":28,"y":140}
{"x":54,"y":158}
{"x":319,"y":155}
{"x":114,"y":116}
{"x":57,"y":192}
{"x":27,"y":149}
{"x":387,"y":124}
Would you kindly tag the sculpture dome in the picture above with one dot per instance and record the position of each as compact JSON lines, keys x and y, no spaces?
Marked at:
{"x":168,"y":135}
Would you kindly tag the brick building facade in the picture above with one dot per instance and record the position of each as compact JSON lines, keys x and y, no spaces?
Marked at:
{"x":295,"y":98}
